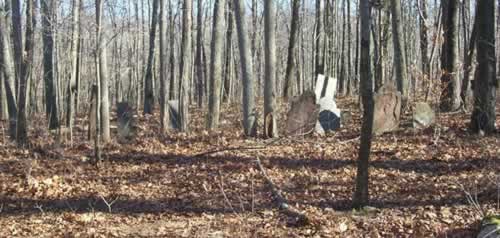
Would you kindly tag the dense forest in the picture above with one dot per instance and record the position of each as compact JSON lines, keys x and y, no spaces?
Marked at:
{"x":249,"y":118}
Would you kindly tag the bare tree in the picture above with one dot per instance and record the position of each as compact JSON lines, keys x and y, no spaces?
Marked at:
{"x":216,"y":65}
{"x":148,"y":79}
{"x":164,"y":115}
{"x":249,"y":117}
{"x":270,"y":127}
{"x":289,"y":83}
{"x":72,"y":86}
{"x":450,"y":97}
{"x":483,"y":116}
{"x":185,"y":68}
{"x":198,"y":61}
{"x":399,"y":51}
{"x":361,"y":195}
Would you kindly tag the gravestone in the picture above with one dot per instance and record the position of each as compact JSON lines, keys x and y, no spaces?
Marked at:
{"x":423,"y":116}
{"x":303,"y":114}
{"x":387,"y":109}
{"x":173,"y":110}
{"x":126,"y":127}
{"x":329,"y":114}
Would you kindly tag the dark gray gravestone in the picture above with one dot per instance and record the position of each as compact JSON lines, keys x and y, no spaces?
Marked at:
{"x":423,"y":116}
{"x":329,"y":116}
{"x":387,"y":110}
{"x":173,"y":110}
{"x":125,"y":114}
{"x":303,"y":114}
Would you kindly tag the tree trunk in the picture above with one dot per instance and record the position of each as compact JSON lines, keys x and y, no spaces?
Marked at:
{"x":7,"y":70}
{"x":26,"y":66}
{"x":172,"y":89}
{"x":185,"y":68}
{"x":216,"y":65}
{"x":72,"y":87}
{"x":249,"y":117}
{"x":469,"y":51}
{"x":450,"y":97}
{"x":483,"y":116}
{"x":164,"y":115}
{"x":148,"y":80}
{"x":103,"y":91}
{"x":198,"y":62}
{"x":425,"y":66}
{"x":229,"y":53}
{"x":361,"y":195}
{"x":17,"y":37}
{"x":318,"y":35}
{"x":270,"y":124}
{"x":399,"y":51}
{"x":289,"y":83}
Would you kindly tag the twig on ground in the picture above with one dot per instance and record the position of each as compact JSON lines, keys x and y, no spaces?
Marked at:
{"x":299,"y":218}
{"x":221,"y":187}
{"x":109,"y":204}
{"x":39,"y":207}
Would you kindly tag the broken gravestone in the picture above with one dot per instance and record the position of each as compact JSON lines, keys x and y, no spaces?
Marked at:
{"x":125,"y":115}
{"x":423,"y":116}
{"x":303,"y":114}
{"x":173,"y":110}
{"x":329,"y":114}
{"x":387,"y":109}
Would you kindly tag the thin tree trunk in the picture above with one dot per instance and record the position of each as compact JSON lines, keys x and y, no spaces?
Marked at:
{"x":291,"y":64}
{"x":185,"y":68}
{"x":7,"y":70}
{"x":26,"y":67}
{"x":361,"y":195}
{"x":425,"y":66}
{"x":319,"y":35}
{"x":229,"y":53}
{"x":216,"y":65}
{"x":270,"y":117}
{"x":466,"y":90}
{"x":72,"y":87}
{"x":450,"y":97}
{"x":148,"y":80}
{"x":198,"y":62}
{"x":164,"y":115}
{"x":103,"y":82}
{"x":399,"y":51}
{"x":249,"y":117}
{"x":17,"y":37}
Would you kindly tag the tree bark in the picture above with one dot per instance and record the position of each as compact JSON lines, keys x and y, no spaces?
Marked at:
{"x":198,"y":61}
{"x":289,"y":83}
{"x":399,"y":51}
{"x":7,"y":70}
{"x":450,"y":97}
{"x":249,"y":117}
{"x":270,"y":117}
{"x":72,"y":87}
{"x":185,"y":65}
{"x":26,"y":66}
{"x":361,"y":194}
{"x":319,"y":35}
{"x":164,"y":114}
{"x":229,"y":53}
{"x":148,"y":80}
{"x":483,"y":116}
{"x":425,"y":64}
{"x":216,"y":65}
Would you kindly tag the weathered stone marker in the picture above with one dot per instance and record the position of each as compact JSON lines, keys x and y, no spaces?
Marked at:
{"x":303,"y":114}
{"x":387,"y":109}
{"x":173,"y":110}
{"x":423,"y":116}
{"x":125,"y":115}
{"x":329,"y":114}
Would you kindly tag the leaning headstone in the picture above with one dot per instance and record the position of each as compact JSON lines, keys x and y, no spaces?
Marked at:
{"x":173,"y":109}
{"x":320,"y":82}
{"x":303,"y":114}
{"x":490,"y":227}
{"x":387,"y":109}
{"x":423,"y":116}
{"x":329,"y":116}
{"x":92,"y":113}
{"x":125,"y":114}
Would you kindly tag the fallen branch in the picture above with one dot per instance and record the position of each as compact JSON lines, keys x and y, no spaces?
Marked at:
{"x":299,"y":218}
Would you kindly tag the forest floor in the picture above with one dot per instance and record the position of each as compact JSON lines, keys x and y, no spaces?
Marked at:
{"x":159,"y":186}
